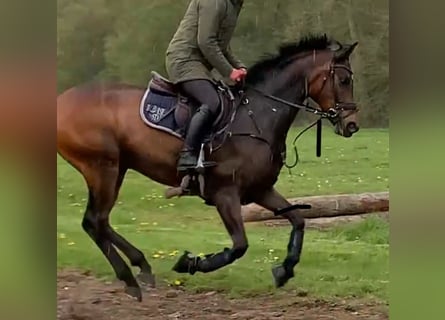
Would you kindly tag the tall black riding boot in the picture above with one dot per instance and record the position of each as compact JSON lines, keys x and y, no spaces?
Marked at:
{"x":200,"y":123}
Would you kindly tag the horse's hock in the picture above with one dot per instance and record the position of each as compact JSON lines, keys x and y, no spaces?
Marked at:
{"x":326,"y":206}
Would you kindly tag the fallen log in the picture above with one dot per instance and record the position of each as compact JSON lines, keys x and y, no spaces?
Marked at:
{"x":325,"y":206}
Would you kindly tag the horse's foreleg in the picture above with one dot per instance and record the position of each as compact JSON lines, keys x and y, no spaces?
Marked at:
{"x":229,"y":207}
{"x":272,"y":200}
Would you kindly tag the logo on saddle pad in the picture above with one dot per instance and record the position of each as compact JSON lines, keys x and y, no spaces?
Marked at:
{"x":155,"y":112}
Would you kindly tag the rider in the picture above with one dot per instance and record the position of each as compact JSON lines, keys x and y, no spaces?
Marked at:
{"x":202,"y":43}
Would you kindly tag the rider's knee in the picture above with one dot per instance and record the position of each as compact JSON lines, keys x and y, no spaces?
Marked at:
{"x":211,"y":109}
{"x":213,"y":104}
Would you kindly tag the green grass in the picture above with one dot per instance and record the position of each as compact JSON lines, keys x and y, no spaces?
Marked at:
{"x":345,"y":261}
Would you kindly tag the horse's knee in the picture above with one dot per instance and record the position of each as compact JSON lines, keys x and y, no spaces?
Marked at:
{"x":298,"y":222}
{"x":238,"y":252}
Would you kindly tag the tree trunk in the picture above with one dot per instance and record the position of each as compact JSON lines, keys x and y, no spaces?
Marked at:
{"x":326,"y":206}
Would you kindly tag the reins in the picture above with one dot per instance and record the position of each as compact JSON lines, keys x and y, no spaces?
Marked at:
{"x":305,"y":107}
{"x":331,"y":114}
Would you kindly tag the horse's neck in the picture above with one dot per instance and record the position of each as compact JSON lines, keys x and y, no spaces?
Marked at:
{"x":274,"y":118}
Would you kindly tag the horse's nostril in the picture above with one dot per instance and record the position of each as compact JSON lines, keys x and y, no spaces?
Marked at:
{"x":352,"y":127}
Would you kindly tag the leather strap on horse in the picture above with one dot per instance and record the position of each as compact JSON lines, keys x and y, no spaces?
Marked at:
{"x":244,"y":100}
{"x":319,"y":126}
{"x":305,"y":107}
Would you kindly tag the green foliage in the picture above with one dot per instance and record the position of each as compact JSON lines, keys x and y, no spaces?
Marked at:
{"x":125,"y":40}
{"x":82,"y":27}
{"x":140,"y":39}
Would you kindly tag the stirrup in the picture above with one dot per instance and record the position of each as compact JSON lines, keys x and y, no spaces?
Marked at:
{"x":201,"y":165}
{"x":181,"y":167}
{"x":193,"y":181}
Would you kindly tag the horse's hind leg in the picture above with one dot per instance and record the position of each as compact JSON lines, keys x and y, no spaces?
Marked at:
{"x":135,"y":256}
{"x":272,"y":200}
{"x":101,"y":181}
{"x":229,"y":207}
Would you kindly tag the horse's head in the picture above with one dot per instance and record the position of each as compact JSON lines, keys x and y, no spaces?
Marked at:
{"x":314,"y":67}
{"x":330,"y":85}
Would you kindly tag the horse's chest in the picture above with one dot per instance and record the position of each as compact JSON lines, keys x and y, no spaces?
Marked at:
{"x":260,"y":174}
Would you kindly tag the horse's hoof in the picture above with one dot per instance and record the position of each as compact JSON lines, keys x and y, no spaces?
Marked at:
{"x":185,"y":264}
{"x":280,"y":275}
{"x":173,"y":192}
{"x":146,"y":279}
{"x":134,"y":292}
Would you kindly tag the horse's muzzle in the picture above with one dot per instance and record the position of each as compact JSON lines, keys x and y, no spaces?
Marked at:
{"x":351,"y":128}
{"x":346,"y":130}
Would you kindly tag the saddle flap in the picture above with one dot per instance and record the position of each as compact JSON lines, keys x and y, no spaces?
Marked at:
{"x":183,"y":112}
{"x":162,"y":85}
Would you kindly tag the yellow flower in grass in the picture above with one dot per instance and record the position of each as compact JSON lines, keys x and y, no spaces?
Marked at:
{"x":173,"y":253}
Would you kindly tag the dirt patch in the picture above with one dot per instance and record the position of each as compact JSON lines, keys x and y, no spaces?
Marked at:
{"x":80,"y":296}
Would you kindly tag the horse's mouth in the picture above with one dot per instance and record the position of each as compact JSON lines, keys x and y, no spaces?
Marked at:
{"x":345,"y":131}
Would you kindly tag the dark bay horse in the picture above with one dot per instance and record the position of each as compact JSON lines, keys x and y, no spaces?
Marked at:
{"x":101,"y":134}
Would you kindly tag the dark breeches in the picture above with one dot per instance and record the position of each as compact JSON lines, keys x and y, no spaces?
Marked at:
{"x":204,"y":92}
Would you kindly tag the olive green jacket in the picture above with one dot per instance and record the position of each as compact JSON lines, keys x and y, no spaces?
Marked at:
{"x":202,"y":41}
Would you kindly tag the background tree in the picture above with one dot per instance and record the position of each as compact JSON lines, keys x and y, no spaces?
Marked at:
{"x":123,"y":40}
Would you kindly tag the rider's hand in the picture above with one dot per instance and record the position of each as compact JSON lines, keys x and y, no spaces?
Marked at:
{"x":238,"y":74}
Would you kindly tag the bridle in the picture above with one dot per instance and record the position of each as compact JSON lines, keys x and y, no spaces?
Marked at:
{"x":332,"y":113}
{"x":339,"y":106}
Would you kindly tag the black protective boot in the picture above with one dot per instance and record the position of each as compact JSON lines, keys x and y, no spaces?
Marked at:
{"x":200,"y":123}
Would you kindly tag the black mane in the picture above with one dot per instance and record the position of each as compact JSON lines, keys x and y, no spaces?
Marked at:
{"x":285,"y":55}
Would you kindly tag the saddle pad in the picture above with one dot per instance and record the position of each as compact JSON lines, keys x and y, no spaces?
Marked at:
{"x":157,"y":109}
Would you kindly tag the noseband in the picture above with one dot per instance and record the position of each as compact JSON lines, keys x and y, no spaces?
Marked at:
{"x":339,"y":106}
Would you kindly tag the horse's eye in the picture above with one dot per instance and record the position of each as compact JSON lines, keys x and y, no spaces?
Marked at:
{"x":345,"y":81}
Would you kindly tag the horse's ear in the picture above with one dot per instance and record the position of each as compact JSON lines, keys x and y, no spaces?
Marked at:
{"x":345,"y":52}
{"x":335,"y":46}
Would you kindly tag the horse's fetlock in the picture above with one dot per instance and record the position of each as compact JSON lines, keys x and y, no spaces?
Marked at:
{"x":138,"y":258}
{"x":238,"y":252}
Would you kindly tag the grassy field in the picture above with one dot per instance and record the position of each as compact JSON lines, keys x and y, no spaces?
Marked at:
{"x":345,"y":261}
